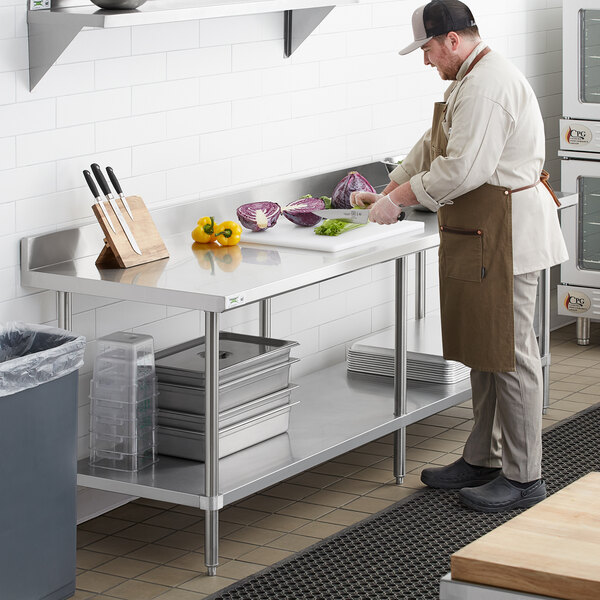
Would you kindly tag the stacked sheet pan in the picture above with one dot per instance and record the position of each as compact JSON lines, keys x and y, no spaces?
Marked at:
{"x":374,"y":354}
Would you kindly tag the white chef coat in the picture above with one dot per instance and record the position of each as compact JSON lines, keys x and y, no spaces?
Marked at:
{"x":495,"y":135}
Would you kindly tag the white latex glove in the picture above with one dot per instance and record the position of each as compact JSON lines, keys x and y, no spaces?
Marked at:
{"x":364,"y":199}
{"x":384,"y":211}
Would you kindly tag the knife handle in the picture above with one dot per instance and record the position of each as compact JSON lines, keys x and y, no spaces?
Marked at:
{"x":114,"y":180}
{"x":100,"y":179}
{"x":91,"y":183}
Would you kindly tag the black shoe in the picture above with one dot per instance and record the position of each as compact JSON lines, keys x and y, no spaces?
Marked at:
{"x":459,"y":474}
{"x":500,"y":495}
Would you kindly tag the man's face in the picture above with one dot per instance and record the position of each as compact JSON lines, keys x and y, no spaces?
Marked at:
{"x":439,"y":54}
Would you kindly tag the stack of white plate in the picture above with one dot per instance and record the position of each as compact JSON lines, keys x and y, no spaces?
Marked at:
{"x":374,"y":354}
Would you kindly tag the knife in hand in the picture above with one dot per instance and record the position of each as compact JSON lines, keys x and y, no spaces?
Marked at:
{"x":106,"y":191}
{"x":353,"y":215}
{"x":117,"y":186}
{"x":92,"y":185}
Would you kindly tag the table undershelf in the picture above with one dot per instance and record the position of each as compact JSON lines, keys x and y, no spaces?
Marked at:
{"x":338,"y":412}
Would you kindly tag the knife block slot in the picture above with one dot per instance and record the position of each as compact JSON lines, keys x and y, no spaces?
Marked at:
{"x":118,"y":252}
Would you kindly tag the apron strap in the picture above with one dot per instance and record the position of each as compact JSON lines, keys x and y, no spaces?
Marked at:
{"x":485,"y":51}
{"x":544,"y":179}
{"x":525,"y":187}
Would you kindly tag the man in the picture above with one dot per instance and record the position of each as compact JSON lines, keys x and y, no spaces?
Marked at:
{"x":479,"y":168}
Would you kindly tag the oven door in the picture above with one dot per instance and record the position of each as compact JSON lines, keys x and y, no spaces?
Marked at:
{"x":581,"y":223}
{"x":581,"y":59}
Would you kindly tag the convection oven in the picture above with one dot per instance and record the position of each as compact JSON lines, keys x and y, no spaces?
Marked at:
{"x":579,"y":294}
{"x":581,"y":59}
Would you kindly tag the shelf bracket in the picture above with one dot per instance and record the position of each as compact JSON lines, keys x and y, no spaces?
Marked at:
{"x":299,"y":24}
{"x":47,"y":43}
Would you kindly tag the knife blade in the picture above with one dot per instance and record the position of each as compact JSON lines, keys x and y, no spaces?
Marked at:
{"x":353,"y":215}
{"x":117,"y":186}
{"x":91,"y":184}
{"x":106,"y":191}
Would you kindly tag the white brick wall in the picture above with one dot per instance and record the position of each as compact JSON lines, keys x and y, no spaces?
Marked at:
{"x":187,"y":109}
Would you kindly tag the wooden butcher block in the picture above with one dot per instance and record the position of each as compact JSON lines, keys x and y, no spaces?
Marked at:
{"x":286,"y":234}
{"x":551,"y":549}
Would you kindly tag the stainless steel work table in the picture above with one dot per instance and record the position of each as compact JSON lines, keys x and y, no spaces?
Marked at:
{"x":337,"y":411}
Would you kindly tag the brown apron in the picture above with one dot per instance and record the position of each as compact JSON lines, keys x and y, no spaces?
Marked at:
{"x":476,"y":269}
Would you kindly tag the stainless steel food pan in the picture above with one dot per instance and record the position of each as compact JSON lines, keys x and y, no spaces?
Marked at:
{"x":190,"y":444}
{"x":187,"y":399}
{"x":239,"y":355}
{"x":254,"y":408}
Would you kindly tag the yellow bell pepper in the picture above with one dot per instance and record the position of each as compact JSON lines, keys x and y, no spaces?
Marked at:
{"x":228,"y":233}
{"x":205,"y":232}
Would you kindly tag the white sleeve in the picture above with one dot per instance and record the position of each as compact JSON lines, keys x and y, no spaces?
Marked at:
{"x":416,"y":161}
{"x":478,"y":134}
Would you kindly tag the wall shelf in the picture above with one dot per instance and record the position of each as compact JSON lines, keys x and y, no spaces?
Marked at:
{"x":52,"y":30}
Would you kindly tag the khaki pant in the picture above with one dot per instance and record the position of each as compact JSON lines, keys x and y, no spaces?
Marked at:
{"x":508,"y":406}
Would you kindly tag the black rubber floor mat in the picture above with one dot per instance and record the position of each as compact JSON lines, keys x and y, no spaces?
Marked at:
{"x":404,"y":551}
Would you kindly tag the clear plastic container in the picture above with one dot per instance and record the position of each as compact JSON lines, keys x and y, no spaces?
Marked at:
{"x":111,"y":426}
{"x":134,"y":348}
{"x":123,"y":402}
{"x":117,"y":377}
{"x":124,"y":364}
{"x":120,"y":461}
{"x":124,"y":394}
{"x":133,"y":444}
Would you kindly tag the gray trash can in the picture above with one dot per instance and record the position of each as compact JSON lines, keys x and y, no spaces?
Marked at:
{"x":38,"y":461}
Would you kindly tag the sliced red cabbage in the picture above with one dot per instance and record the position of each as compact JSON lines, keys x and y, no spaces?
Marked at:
{"x":300,"y":211}
{"x":258,"y":216}
{"x":353,"y":182}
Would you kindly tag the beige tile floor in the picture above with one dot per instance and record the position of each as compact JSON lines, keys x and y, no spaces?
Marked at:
{"x":147,"y":549}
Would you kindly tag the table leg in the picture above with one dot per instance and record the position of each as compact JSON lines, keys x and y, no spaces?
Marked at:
{"x":264,"y":317}
{"x":420,"y":287}
{"x":400,"y":369}
{"x":544,"y":334}
{"x":65,"y":310}
{"x":211,"y":463}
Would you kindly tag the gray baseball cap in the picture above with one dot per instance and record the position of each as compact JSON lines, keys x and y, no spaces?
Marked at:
{"x":436,"y":18}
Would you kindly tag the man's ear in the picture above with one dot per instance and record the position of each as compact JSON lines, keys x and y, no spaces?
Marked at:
{"x":454,"y":39}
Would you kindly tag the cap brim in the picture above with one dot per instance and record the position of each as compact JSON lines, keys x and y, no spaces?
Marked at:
{"x":416,"y":44}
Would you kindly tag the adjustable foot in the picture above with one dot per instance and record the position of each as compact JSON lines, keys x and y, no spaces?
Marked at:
{"x":582,"y":327}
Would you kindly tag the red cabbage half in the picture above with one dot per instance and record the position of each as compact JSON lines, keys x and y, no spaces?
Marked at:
{"x":300,"y":211}
{"x":258,"y":216}
{"x":353,"y":182}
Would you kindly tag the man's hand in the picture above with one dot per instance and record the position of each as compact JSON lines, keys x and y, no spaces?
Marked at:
{"x":364,"y":199}
{"x":384,"y":211}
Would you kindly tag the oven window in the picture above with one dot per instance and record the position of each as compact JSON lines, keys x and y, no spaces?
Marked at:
{"x":589,"y":223}
{"x":590,"y":56}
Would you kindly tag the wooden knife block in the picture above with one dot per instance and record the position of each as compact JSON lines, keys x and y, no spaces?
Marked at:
{"x":117,"y":251}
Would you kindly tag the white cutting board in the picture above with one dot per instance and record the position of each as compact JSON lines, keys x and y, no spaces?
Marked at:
{"x":285,"y":233}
